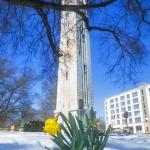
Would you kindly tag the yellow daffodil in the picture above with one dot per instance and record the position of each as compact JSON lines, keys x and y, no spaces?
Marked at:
{"x":52,"y":127}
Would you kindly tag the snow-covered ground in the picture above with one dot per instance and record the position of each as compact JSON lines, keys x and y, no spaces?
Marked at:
{"x":10,"y":140}
{"x":131,"y":142}
{"x":37,"y":141}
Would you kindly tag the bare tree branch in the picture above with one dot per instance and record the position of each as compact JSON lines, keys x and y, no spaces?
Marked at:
{"x":56,"y":6}
{"x":48,"y":30}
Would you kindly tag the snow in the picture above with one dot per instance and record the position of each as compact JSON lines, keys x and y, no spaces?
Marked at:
{"x":131,"y":142}
{"x":10,"y":140}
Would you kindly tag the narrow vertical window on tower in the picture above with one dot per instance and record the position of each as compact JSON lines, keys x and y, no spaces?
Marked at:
{"x":81,"y":104}
{"x":81,"y":28}
{"x":85,"y":70}
{"x":80,"y":37}
{"x":66,"y":75}
{"x":67,"y":42}
{"x":79,"y":51}
{"x":80,"y":47}
{"x":83,"y":37}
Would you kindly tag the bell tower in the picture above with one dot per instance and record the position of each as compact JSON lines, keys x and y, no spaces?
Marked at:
{"x":74,"y":86}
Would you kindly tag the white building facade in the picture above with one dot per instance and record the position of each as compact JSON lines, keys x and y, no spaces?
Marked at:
{"x":136,"y":103}
{"x":74,"y":90}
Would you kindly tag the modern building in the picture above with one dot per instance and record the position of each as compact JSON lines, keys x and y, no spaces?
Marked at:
{"x":74,"y":90}
{"x":136,"y":103}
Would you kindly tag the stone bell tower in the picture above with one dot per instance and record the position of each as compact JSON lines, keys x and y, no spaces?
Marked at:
{"x":74,"y":87}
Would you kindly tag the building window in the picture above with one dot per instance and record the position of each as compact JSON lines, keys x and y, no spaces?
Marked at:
{"x":124,"y":122}
{"x":116,"y":99}
{"x":106,"y":118}
{"x":130,"y":120}
{"x":137,"y":113}
{"x":143,"y":98}
{"x":136,"y":106}
{"x":113,"y":123}
{"x":135,"y":100}
{"x":128,"y":102}
{"x":129,"y":114}
{"x":111,"y":106}
{"x":106,"y":108}
{"x":111,"y":101}
{"x":112,"y":111}
{"x":118,"y":116}
{"x":117,"y":110}
{"x":130,"y":129}
{"x":117,"y":105}
{"x":142,"y":92}
{"x":138,"y":120}
{"x":118,"y":122}
{"x":105,"y":102}
{"x":144,"y":111}
{"x":123,"y":109}
{"x":138,"y":128}
{"x":128,"y":96}
{"x":129,"y":108}
{"x":122,"y":103}
{"x":112,"y":117}
{"x":134,"y":94}
{"x":149,"y":89}
{"x":122,"y":98}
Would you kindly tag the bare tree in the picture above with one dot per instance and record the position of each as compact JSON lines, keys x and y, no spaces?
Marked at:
{"x":48,"y":99}
{"x":23,"y":110}
{"x":14,"y":87}
{"x":33,"y":25}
